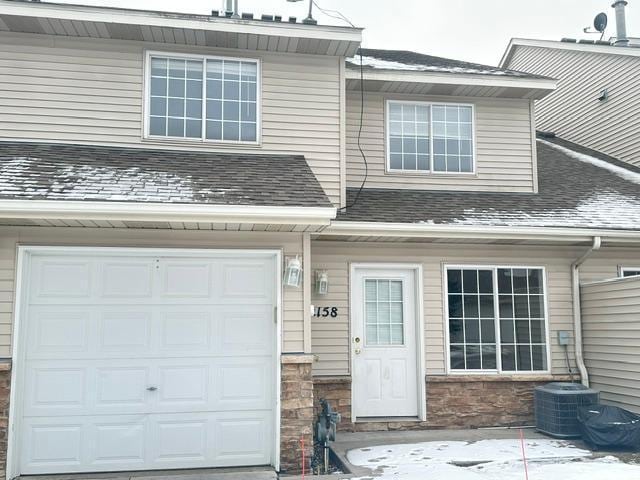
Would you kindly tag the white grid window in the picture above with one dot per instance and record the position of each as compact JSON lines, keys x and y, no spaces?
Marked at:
{"x":203,"y":98}
{"x":452,"y":138}
{"x":496,"y":319}
{"x":424,"y":137}
{"x":522,"y":319}
{"x":384,"y":317}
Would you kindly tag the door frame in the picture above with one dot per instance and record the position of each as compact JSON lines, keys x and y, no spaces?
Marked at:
{"x":17,"y":386}
{"x":418,"y":295}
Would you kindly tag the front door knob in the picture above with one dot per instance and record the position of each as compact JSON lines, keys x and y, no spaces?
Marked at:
{"x":152,"y":389}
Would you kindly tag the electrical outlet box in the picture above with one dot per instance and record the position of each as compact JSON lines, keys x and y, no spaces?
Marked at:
{"x":564,"y":336}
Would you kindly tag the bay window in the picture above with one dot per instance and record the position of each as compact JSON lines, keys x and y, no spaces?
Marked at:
{"x":496,"y":319}
{"x":202,"y":98}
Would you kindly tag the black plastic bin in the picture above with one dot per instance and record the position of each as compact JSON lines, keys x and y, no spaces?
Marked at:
{"x":608,"y":426}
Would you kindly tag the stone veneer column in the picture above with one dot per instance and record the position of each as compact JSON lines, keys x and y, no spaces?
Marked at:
{"x":296,"y":412}
{"x":5,"y":389}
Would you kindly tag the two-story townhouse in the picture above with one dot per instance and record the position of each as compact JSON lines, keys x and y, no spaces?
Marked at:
{"x":210,"y":223}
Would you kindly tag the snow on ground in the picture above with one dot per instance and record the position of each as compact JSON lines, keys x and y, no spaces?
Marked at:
{"x":489,"y":460}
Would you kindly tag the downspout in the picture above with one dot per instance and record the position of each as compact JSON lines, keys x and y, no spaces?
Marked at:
{"x":577,"y":314}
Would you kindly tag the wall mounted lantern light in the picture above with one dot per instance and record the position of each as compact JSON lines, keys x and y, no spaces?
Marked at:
{"x":293,"y":272}
{"x":322,"y":282}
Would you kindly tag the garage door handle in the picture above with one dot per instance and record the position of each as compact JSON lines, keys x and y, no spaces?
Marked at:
{"x":152,"y":389}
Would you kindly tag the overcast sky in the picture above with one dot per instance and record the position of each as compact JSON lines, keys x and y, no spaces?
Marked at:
{"x":473,"y":30}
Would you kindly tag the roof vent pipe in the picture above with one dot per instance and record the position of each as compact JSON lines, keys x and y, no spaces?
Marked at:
{"x":621,"y":23}
{"x":230,"y":8}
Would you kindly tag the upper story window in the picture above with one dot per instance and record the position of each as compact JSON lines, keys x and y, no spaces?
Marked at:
{"x":202,"y":98}
{"x":429,"y":137}
{"x":629,"y":271}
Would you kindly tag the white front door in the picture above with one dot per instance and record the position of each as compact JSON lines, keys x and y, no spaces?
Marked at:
{"x":384,"y":343}
{"x":135,"y":360}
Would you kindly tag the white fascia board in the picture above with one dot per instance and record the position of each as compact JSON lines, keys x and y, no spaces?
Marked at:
{"x":580,"y":47}
{"x":454,"y":79}
{"x":82,"y":13}
{"x":473,"y":231}
{"x":131,"y":211}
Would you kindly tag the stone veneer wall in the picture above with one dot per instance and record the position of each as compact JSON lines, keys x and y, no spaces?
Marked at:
{"x":452,"y":401}
{"x":296,"y":412}
{"x":5,"y":389}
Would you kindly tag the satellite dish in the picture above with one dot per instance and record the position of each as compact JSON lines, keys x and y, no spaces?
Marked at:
{"x":600,"y":22}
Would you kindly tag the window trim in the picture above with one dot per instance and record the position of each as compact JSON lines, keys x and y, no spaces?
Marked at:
{"x":146,"y":136}
{"x":622,"y":270}
{"x":445,"y":308}
{"x":430,"y":171}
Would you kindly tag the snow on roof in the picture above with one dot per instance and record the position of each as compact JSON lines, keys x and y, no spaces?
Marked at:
{"x":379,"y":64}
{"x":620,"y":171}
{"x":403,"y":60}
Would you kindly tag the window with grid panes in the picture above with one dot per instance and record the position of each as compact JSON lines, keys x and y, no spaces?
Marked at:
{"x":204,"y":98}
{"x":424,"y":137}
{"x":384,"y":316}
{"x":496,"y":319}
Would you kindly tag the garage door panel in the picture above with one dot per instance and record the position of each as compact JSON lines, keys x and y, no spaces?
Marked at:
{"x":120,"y":388}
{"x":246,"y":437}
{"x":125,"y":278}
{"x":243,"y":384}
{"x":183,"y":278}
{"x":117,"y":443}
{"x":56,"y":388}
{"x":248,"y":329}
{"x":187,"y":329}
{"x":183,"y":387}
{"x":157,"y":363}
{"x":58,"y":332}
{"x":51,"y":445}
{"x":246,"y":279}
{"x":60,"y":277}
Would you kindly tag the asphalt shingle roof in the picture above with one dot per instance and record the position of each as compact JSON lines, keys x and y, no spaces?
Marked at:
{"x":37,"y":171}
{"x":572,"y":193}
{"x":376,"y":59}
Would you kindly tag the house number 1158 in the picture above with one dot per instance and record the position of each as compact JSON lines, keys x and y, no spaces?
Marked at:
{"x":326,"y":312}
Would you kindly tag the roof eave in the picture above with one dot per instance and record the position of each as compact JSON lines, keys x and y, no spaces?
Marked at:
{"x":540,"y":86}
{"x":350,"y":36}
{"x":558,"y":45}
{"x":351,"y":228}
{"x":168,"y":212}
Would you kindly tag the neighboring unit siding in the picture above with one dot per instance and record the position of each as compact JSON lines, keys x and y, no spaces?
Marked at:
{"x":331,"y":338}
{"x":88,"y":91}
{"x":503,"y":131}
{"x":611,"y":329}
{"x":11,"y":237}
{"x":574,"y":112}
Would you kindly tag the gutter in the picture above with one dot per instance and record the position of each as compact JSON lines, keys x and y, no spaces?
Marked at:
{"x":577,"y":313}
{"x":164,"y":212}
{"x":426,"y":230}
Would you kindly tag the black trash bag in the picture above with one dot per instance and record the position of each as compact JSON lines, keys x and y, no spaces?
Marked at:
{"x":608,"y":426}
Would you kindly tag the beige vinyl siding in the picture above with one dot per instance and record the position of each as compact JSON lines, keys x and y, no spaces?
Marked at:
{"x":89,"y":91}
{"x":10,"y":237}
{"x":330,"y":337}
{"x":611,"y":329}
{"x":504,"y":150}
{"x":574,"y":112}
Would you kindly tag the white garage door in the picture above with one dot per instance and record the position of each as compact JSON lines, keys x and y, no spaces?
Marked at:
{"x":135,"y":359}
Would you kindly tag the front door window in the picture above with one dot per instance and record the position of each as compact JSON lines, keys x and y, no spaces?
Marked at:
{"x":384,"y":316}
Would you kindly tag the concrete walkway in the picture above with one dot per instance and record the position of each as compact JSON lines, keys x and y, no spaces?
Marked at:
{"x":352,"y":441}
